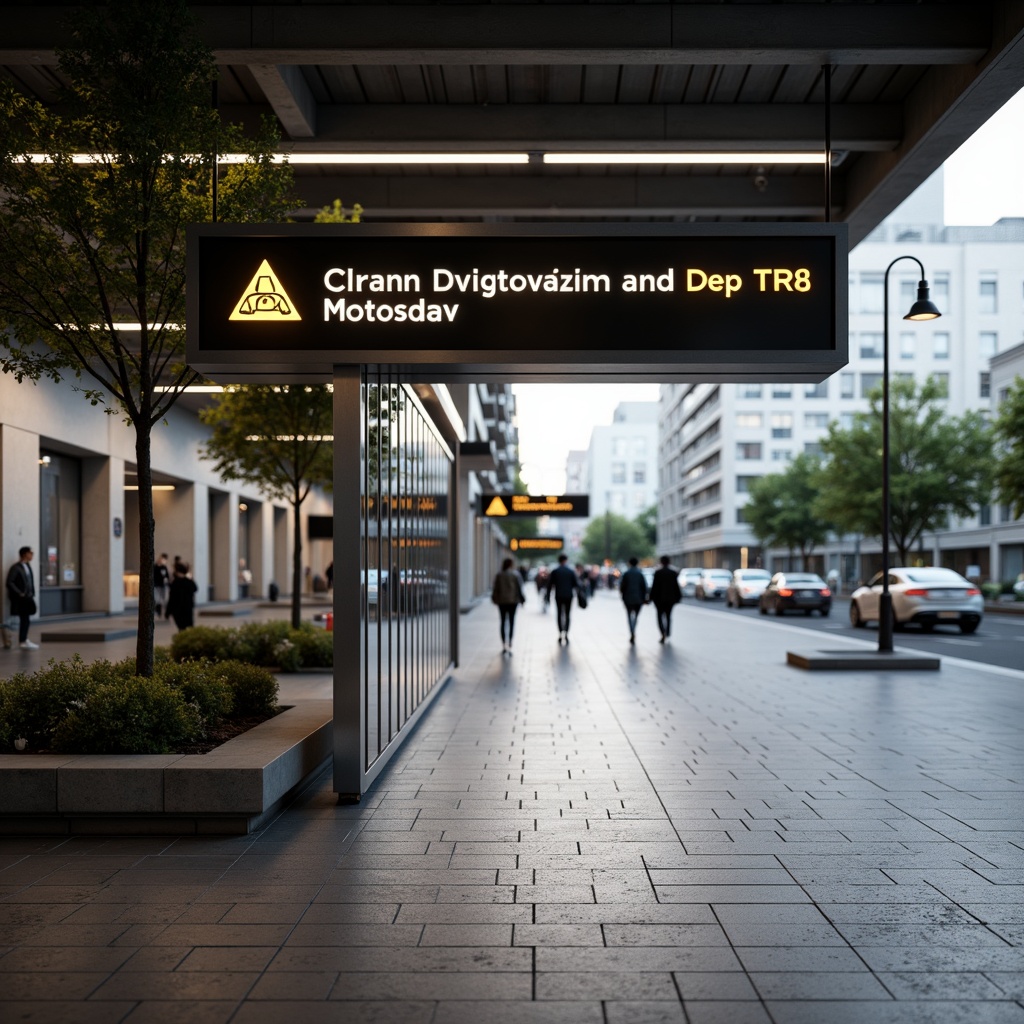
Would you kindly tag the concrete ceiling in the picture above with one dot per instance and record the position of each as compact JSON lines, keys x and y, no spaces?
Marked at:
{"x":909,"y":83}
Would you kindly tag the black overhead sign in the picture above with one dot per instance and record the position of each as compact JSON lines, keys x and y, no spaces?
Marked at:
{"x":519,"y":302}
{"x":499,"y":505}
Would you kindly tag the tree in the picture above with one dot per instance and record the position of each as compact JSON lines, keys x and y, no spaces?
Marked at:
{"x":278,"y":438}
{"x":615,"y":537}
{"x":648,"y":522}
{"x":1009,"y":433}
{"x":940,"y":466}
{"x":85,"y":247}
{"x":782,"y":509}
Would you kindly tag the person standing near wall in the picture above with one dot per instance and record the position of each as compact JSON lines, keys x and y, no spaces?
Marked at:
{"x":507,"y":594}
{"x":633,"y":588}
{"x":21,"y":589}
{"x":181,"y":601}
{"x":665,"y":595}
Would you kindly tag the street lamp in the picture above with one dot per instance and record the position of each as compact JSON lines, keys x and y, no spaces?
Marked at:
{"x":922,"y":309}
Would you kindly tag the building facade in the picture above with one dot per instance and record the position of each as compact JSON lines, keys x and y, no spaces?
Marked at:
{"x":715,"y":440}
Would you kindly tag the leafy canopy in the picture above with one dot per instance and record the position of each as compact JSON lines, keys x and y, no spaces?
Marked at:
{"x":615,"y":537}
{"x":940,"y":466}
{"x":1009,"y":433}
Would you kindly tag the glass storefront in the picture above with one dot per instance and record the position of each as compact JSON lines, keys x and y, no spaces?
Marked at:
{"x":59,"y":560}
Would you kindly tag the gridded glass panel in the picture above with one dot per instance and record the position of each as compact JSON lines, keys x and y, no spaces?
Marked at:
{"x":405,"y":555}
{"x":908,"y":345}
{"x":940,"y":345}
{"x":987,"y":297}
{"x":988,"y":344}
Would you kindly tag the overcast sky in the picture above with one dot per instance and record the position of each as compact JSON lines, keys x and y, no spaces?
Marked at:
{"x":984,"y":181}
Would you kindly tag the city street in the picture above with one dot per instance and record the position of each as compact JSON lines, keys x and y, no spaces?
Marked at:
{"x":998,"y":641}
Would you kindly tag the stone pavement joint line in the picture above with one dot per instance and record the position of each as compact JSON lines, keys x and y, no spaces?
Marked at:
{"x":592,"y":833}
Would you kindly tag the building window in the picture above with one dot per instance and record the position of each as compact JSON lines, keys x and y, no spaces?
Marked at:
{"x":748,"y":390}
{"x":618,"y":447}
{"x":940,"y":292}
{"x":872,"y":295}
{"x":781,"y":455}
{"x":987,"y":297}
{"x":985,"y":385}
{"x":871,"y":346}
{"x":942,"y":380}
{"x":639,"y":473}
{"x":816,"y":420}
{"x":743,"y":483}
{"x":741,"y":516}
{"x":748,"y":450}
{"x":816,"y":390}
{"x":847,"y":420}
{"x":60,"y":502}
{"x":782,"y":391}
{"x":868,"y":383}
{"x":812,"y":448}
{"x":752,"y":420}
{"x":988,"y":344}
{"x":618,"y":472}
{"x":782,"y":424}
{"x":640,"y":447}
{"x":940,"y":345}
{"x":908,"y":344}
{"x":846,"y":385}
{"x":985,"y":515}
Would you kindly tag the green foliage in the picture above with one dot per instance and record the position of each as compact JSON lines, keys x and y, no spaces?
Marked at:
{"x":105,"y":708}
{"x":940,"y":466}
{"x":335,"y":214}
{"x":254,"y":689}
{"x":991,"y":591}
{"x":648,"y":522}
{"x":268,"y":644}
{"x":137,"y":715}
{"x":615,"y":537}
{"x":1009,"y":434}
{"x":781,"y":509}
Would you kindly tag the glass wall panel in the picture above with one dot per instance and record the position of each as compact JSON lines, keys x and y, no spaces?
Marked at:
{"x":405,"y":553}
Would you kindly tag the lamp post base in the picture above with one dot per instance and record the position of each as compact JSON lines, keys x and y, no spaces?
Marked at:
{"x":885,"y":623}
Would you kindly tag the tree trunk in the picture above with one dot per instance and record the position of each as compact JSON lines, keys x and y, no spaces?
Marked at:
{"x":296,"y":566}
{"x":147,"y":553}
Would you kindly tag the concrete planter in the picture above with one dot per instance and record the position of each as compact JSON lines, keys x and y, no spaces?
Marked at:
{"x":230,"y":791}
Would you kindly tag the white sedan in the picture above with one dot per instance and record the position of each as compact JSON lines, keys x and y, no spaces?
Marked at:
{"x":928,"y":596}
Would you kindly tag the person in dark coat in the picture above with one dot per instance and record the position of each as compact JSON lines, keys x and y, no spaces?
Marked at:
{"x":633,"y":588}
{"x":562,"y":582}
{"x":507,"y":594}
{"x":665,"y":595}
{"x":21,"y":589}
{"x":181,"y":600}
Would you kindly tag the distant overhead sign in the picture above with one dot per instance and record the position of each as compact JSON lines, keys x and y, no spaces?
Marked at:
{"x":526,"y":545}
{"x":499,"y":505}
{"x":520,"y":302}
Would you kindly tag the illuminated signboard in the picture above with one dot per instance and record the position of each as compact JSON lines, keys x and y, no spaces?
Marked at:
{"x":413,"y":504}
{"x":496,"y":506}
{"x":528,"y":544}
{"x":519,"y":302}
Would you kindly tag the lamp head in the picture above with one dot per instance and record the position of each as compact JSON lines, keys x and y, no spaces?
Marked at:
{"x":923,"y":308}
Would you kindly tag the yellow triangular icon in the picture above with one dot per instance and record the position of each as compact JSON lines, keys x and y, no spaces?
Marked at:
{"x":496,"y":508}
{"x":265,"y":299}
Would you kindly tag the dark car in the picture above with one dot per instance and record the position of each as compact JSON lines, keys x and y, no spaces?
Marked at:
{"x":796,"y":591}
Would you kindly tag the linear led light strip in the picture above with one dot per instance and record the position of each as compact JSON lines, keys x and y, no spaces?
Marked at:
{"x":731,"y":157}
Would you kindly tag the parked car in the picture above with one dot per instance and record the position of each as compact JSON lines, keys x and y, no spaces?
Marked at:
{"x":712,"y":584}
{"x":796,"y":591}
{"x":928,"y":596}
{"x":746,"y":587}
{"x":688,"y":580}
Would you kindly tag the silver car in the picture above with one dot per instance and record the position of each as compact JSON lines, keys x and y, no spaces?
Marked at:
{"x":688,"y":580}
{"x":712,"y":584}
{"x":928,"y":596}
{"x":746,"y":587}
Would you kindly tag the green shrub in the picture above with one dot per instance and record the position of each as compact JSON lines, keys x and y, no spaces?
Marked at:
{"x":129,"y":716}
{"x":269,"y":644}
{"x":991,"y":591}
{"x":202,"y":686}
{"x":32,"y":706}
{"x":254,"y":688}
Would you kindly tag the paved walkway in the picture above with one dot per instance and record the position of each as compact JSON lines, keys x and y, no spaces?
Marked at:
{"x":594,"y":833}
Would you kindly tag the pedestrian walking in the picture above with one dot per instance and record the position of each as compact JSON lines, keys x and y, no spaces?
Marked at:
{"x":161,"y":583}
{"x":507,"y":594}
{"x":181,"y":600}
{"x":21,"y":590}
{"x":562,"y":582}
{"x":665,"y":595}
{"x":633,"y":588}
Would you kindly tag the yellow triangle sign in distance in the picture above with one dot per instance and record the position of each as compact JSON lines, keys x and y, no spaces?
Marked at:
{"x":265,"y":299}
{"x":496,"y":508}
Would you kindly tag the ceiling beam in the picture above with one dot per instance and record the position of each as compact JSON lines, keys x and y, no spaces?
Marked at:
{"x":289,"y":96}
{"x":403,"y":196}
{"x":563,"y":126}
{"x":614,"y":33}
